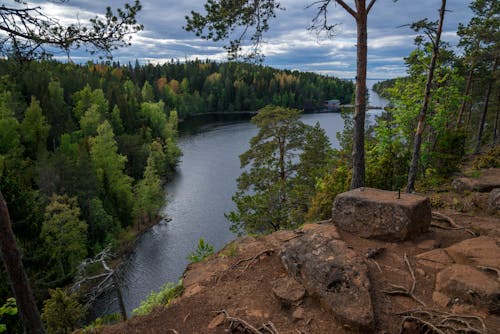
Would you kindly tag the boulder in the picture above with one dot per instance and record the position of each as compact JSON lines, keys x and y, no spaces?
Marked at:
{"x":380,"y":214}
{"x":465,"y":284}
{"x":332,"y":272}
{"x":494,"y":200}
{"x":488,"y":180}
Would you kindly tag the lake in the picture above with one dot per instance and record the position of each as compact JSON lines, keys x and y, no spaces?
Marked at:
{"x":196,"y":200}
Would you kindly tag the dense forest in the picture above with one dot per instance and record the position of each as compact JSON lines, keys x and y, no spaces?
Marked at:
{"x":84,"y":149}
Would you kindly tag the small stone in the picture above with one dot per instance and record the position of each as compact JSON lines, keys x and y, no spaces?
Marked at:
{"x":440,"y":299}
{"x":420,"y":271}
{"x":217,"y":321}
{"x":298,"y":314}
{"x":288,"y":291}
{"x":428,"y":244}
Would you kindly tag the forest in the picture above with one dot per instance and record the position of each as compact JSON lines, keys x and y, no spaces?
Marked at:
{"x":86,"y":149}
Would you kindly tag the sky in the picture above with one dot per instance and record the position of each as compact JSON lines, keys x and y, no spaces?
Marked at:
{"x":288,"y":43}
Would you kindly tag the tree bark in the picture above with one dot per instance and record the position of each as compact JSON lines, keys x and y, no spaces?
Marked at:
{"x":121,"y":303}
{"x":466,"y":95}
{"x":485,"y":111}
{"x":412,"y":174}
{"x":358,"y":150}
{"x":495,"y":127}
{"x":19,"y":282}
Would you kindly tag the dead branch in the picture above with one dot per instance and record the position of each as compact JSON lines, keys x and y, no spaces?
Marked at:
{"x":401,"y":290}
{"x":245,"y":327}
{"x":438,"y":322}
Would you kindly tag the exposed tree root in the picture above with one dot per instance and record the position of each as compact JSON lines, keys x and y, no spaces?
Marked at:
{"x":245,"y":327}
{"x":437,"y":322}
{"x":172,"y":331}
{"x":401,"y":290}
{"x":252,"y":258}
{"x":495,"y":270}
{"x":453,"y":225}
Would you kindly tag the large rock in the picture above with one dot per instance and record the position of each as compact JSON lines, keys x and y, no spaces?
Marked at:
{"x":465,"y":284}
{"x":481,"y":251}
{"x":478,"y":252}
{"x":494,"y":200}
{"x":380,"y":214}
{"x":334,"y":273}
{"x":488,"y":180}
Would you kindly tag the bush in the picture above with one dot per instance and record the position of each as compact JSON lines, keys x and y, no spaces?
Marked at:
{"x":62,"y":313}
{"x":203,"y":250}
{"x":167,"y":293}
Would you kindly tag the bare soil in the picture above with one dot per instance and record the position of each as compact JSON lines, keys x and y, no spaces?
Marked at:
{"x":238,"y":280}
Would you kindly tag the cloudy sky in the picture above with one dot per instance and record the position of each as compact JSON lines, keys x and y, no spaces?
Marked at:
{"x":288,"y":44}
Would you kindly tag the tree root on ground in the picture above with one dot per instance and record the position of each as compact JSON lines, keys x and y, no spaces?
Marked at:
{"x":244,"y":327}
{"x":401,"y":290}
{"x":438,"y":322}
{"x":252,"y":258}
{"x":453,"y":225}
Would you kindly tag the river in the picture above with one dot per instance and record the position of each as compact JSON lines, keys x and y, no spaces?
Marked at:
{"x":197,"y":198}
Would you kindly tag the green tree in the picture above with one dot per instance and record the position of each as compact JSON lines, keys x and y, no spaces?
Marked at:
{"x":269,"y":189}
{"x":65,"y":235}
{"x":148,"y":195}
{"x":91,"y":120}
{"x":34,"y":129}
{"x":147,"y":92}
{"x":62,"y":313}
{"x":155,"y":117}
{"x":109,"y":165}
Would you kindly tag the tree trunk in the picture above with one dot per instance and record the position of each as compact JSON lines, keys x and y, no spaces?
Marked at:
{"x":495,"y":127}
{"x":466,"y":95}
{"x":412,"y":174}
{"x":19,"y":282}
{"x":121,"y":303}
{"x":485,"y":110}
{"x":358,"y":149}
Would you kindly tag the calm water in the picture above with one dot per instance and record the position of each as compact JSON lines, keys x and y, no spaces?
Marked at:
{"x":197,"y":199}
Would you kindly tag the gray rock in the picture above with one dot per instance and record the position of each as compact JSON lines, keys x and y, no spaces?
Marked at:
{"x":494,"y":200}
{"x":380,"y":214}
{"x":332,"y":272}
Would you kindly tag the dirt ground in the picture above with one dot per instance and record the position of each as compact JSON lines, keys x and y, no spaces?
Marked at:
{"x":238,"y":280}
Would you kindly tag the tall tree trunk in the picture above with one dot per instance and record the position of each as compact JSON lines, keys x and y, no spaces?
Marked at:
{"x":121,"y":303}
{"x":412,"y":174}
{"x":495,"y":127}
{"x":358,"y":151}
{"x":19,"y":282}
{"x":485,"y":110}
{"x":466,"y":96}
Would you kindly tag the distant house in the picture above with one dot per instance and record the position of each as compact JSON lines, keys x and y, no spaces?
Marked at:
{"x":331,"y":105}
